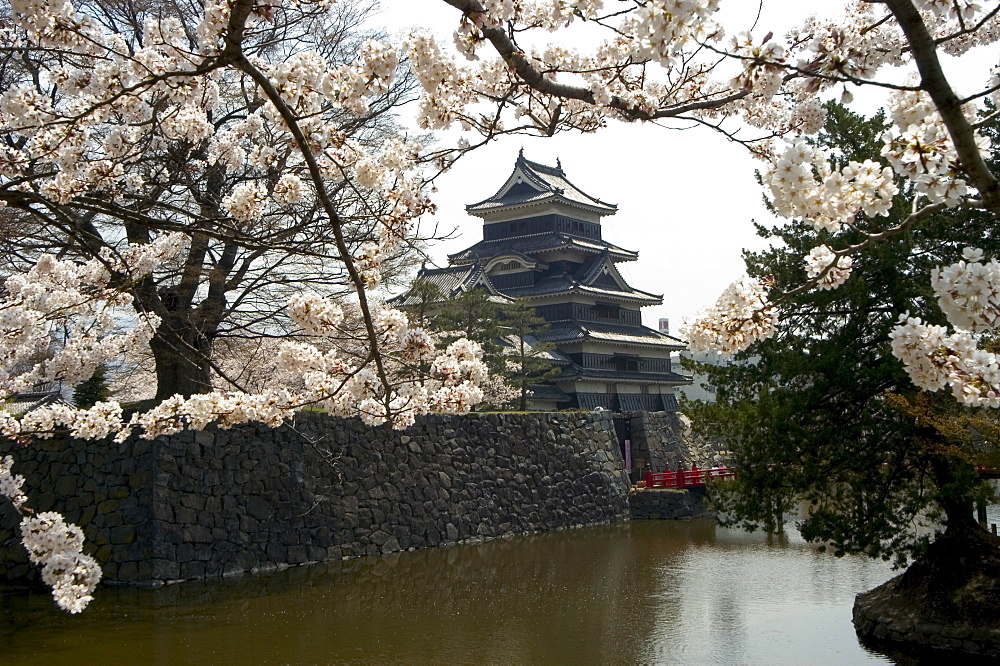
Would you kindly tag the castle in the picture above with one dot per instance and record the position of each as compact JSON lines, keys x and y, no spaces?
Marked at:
{"x":542,"y":243}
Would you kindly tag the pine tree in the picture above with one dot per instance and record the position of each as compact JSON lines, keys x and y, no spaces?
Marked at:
{"x":474,"y":315}
{"x":428,"y":295}
{"x":528,"y":362}
{"x":823,"y":413}
{"x":94,"y":390}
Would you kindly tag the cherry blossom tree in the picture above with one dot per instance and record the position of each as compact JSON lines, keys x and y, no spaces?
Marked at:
{"x":233,"y":277}
{"x":175,"y":157}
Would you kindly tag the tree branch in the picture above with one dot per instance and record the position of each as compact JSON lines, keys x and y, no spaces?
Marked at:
{"x":934,"y":82}
{"x":536,"y":80}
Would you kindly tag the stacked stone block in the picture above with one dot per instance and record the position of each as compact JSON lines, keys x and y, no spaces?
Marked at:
{"x":251,"y":499}
{"x":661,"y":440}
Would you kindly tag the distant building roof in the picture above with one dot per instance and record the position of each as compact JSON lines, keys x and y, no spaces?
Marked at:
{"x":450,"y":282}
{"x":22,"y":403}
{"x":547,"y":392}
{"x":533,"y":182}
{"x":510,"y":345}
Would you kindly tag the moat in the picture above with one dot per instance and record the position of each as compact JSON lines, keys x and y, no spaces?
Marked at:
{"x":641,"y":592}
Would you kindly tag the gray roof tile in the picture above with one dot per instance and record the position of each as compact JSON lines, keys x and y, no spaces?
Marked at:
{"x":538,"y":243}
{"x":550,"y":183}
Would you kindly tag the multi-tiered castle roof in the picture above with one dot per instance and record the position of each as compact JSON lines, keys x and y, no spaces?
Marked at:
{"x":542,"y":242}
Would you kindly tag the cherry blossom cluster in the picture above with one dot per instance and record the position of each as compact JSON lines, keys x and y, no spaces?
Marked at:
{"x":968,"y":292}
{"x":53,"y":545}
{"x":963,"y":9}
{"x":11,"y":484}
{"x":934,"y":359}
{"x":335,"y":380}
{"x":338,"y":373}
{"x":832,"y":270}
{"x":741,"y":317}
{"x":57,"y":547}
{"x":58,"y":320}
{"x":683,"y":40}
{"x":121,"y":103}
{"x":922,"y":150}
{"x":803,"y":184}
{"x":762,"y":64}
{"x":665,"y":30}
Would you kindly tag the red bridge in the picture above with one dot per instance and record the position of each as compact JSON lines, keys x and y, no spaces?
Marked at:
{"x":685,"y":478}
{"x":696,"y":477}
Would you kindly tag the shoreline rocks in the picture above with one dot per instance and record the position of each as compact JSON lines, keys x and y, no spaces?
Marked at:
{"x":887,"y":618}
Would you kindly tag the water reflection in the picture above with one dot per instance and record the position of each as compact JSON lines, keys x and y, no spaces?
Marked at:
{"x":645,"y":592}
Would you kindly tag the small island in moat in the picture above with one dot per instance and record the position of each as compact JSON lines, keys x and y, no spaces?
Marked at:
{"x":949,"y":598}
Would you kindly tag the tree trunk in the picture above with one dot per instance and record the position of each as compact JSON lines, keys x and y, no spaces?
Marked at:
{"x":958,"y":578}
{"x":957,"y":505}
{"x":181,"y":353}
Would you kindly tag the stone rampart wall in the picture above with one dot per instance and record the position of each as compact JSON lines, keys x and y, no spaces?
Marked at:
{"x":661,"y":440}
{"x":250,"y":499}
{"x":667,"y":503}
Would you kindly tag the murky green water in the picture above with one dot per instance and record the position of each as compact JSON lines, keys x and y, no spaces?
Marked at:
{"x":643,"y":593}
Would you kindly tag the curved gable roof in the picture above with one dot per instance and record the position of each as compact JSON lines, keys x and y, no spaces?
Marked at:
{"x":531,"y":182}
{"x":524,"y":260}
{"x":450,"y":282}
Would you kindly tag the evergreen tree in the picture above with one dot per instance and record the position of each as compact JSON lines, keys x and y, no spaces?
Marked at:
{"x":528,"y":362}
{"x":823,"y":413}
{"x":428,"y":295}
{"x":474,"y":315}
{"x":94,"y":390}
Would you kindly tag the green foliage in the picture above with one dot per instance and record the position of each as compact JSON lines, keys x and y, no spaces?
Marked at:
{"x":809,"y":413}
{"x":94,"y":390}
{"x":474,"y":315}
{"x":428,"y":296}
{"x":528,"y":362}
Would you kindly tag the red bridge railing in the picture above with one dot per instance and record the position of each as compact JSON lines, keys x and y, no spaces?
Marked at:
{"x":696,"y":477}
{"x":686,"y":478}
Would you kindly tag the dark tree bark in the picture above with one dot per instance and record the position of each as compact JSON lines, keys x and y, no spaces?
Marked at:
{"x":181,"y":354}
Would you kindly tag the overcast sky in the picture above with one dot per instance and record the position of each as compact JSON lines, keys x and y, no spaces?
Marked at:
{"x":686,"y":197}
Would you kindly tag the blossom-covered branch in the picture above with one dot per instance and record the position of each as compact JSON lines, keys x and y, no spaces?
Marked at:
{"x":174,"y":163}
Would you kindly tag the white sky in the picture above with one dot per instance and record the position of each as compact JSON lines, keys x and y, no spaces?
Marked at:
{"x":685,"y":198}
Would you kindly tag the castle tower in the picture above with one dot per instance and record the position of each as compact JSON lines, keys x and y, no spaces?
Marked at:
{"x":542,"y":242}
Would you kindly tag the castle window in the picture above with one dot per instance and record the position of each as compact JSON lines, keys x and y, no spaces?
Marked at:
{"x":626,"y":363}
{"x":608,"y":311}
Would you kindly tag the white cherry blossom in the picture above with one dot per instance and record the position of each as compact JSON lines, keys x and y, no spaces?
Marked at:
{"x":838,"y":269}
